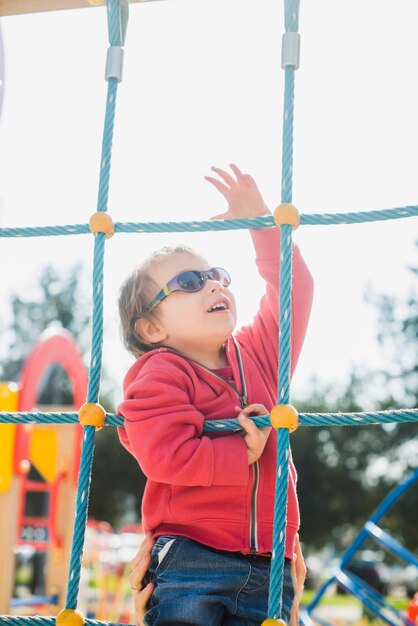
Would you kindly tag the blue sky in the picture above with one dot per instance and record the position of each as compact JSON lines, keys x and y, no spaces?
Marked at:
{"x":202,"y":86}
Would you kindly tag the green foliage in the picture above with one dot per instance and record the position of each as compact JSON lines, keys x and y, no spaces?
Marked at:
{"x":116,"y":476}
{"x":344,"y":472}
{"x":56,"y":301}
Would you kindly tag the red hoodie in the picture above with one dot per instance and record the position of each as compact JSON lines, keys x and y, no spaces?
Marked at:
{"x":200,"y":485}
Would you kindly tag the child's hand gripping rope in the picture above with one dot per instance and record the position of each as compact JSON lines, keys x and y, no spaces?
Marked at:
{"x":255,"y":438}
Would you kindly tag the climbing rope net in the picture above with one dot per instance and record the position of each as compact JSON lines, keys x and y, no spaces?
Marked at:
{"x":283,"y":417}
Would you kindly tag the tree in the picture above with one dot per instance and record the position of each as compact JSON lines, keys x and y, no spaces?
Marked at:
{"x":58,"y":300}
{"x":344,"y":472}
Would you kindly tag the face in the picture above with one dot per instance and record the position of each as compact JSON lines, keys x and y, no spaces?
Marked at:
{"x":190,"y":321}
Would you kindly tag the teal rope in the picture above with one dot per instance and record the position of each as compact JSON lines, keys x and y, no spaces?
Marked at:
{"x":279,"y":525}
{"x":287,"y":145}
{"x":80,"y":521}
{"x":306,"y":219}
{"x":283,"y":449}
{"x":106,"y":158}
{"x":285,"y":321}
{"x":359,"y":419}
{"x":325,"y":219}
{"x":212,"y":426}
{"x":291,"y":15}
{"x":37,"y":620}
{"x":282,"y":455}
{"x":83,"y":488}
{"x":97,"y":321}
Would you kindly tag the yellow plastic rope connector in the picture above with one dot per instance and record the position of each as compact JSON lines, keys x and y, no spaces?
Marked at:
{"x":70,"y":617}
{"x":96,"y":3}
{"x":284,"y":416}
{"x":286,"y":214}
{"x":101,"y":222}
{"x":272,"y":621}
{"x":92,"y":414}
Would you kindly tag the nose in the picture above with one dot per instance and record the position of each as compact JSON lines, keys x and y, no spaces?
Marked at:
{"x":215,"y":285}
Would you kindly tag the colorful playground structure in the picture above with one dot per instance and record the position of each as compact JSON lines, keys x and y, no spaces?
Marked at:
{"x":283,"y":417}
{"x":373,"y":601}
{"x":39,"y":465}
{"x":38,"y":472}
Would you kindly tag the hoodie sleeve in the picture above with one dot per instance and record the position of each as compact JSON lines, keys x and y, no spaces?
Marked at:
{"x":164,"y":432}
{"x":261,"y":337}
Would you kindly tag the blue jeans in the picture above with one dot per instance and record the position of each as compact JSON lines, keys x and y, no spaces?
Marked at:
{"x":198,"y":585}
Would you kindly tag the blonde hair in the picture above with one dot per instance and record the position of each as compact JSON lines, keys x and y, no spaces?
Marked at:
{"x":135,"y":295}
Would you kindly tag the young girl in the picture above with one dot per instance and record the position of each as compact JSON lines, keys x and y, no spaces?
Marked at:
{"x":209,"y":498}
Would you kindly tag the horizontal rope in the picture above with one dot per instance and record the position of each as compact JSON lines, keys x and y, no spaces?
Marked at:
{"x":358,"y":419}
{"x":307,"y":219}
{"x":324,"y":219}
{"x":305,"y":419}
{"x":37,"y":620}
{"x":37,"y":417}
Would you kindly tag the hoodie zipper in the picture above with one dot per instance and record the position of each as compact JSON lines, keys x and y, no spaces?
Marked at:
{"x":242,"y":398}
{"x":243,"y":402}
{"x":256,"y":468}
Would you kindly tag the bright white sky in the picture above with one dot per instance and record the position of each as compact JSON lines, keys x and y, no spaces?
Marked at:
{"x":202,"y":86}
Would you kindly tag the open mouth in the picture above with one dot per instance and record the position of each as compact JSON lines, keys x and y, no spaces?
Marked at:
{"x":221,"y":305}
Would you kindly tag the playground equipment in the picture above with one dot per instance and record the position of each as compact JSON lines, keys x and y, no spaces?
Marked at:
{"x":284,"y":417}
{"x":107,"y":594}
{"x":41,"y":463}
{"x":356,"y":586}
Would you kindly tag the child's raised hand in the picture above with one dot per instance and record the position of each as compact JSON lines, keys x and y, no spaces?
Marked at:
{"x":255,"y":438}
{"x":242,"y":194}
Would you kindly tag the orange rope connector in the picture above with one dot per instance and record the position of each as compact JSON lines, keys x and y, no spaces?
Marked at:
{"x":70,"y":617}
{"x":92,"y":414}
{"x":272,"y":621}
{"x":284,"y":416}
{"x":286,"y":214}
{"x":101,"y":222}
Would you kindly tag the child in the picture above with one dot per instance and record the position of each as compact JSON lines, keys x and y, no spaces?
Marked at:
{"x":209,"y":498}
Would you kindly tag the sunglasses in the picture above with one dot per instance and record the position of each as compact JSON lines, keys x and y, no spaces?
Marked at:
{"x":192,"y":280}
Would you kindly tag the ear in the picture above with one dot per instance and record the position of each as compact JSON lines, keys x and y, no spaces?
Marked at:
{"x":150,"y":331}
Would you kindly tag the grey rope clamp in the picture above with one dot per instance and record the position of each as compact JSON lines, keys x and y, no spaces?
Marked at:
{"x":114,"y":63}
{"x":291,"y":50}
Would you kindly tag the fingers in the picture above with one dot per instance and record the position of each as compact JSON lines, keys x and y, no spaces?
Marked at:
{"x":225,"y":176}
{"x":247,"y":424}
{"x":144,"y":548}
{"x":223,"y":189}
{"x":258,"y":409}
{"x":301,"y":571}
{"x":298,"y":570}
{"x":293,"y":570}
{"x":236,"y":170}
{"x":141,"y":603}
{"x":137,"y":576}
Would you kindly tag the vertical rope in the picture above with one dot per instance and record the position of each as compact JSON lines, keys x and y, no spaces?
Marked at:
{"x":106,"y":155}
{"x":283,"y":449}
{"x":83,"y":489}
{"x":282,"y":458}
{"x":97,"y":321}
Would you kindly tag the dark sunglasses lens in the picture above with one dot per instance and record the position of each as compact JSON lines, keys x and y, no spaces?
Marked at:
{"x":190,"y":281}
{"x":221,"y":275}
